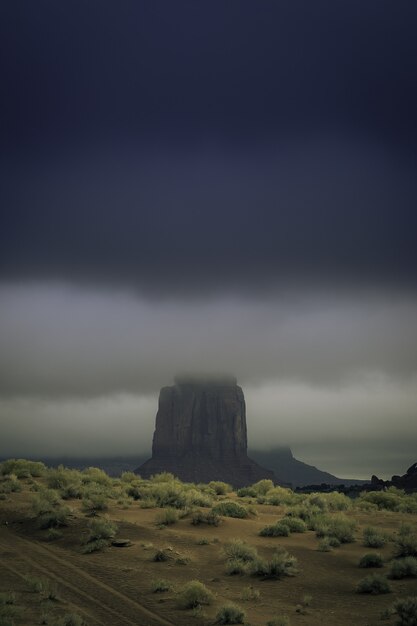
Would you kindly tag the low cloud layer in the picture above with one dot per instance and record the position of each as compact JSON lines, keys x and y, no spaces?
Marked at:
{"x":81,"y":370}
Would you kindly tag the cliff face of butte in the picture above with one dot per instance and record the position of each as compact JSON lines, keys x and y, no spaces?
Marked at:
{"x":200,"y":434}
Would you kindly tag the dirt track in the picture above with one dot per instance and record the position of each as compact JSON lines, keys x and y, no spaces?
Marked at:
{"x":79,"y":588}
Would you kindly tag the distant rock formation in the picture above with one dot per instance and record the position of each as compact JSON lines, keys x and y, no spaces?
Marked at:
{"x":292,"y":471}
{"x":407,"y":481}
{"x":200,"y":434}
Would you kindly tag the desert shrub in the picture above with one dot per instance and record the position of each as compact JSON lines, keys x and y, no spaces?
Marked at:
{"x":406,"y":611}
{"x":71,"y":619}
{"x":277,"y":496}
{"x":167,"y":517}
{"x":160,"y":556}
{"x":48,"y":510}
{"x":54,"y":518}
{"x":403,"y":568}
{"x":53,"y":534}
{"x":383,"y":499}
{"x":249,"y":594}
{"x":61,"y":477}
{"x":307,"y":512}
{"x":363,"y":505}
{"x":210,"y":518}
{"x":236,"y":567}
{"x":231,"y":509}
{"x":318,"y":500}
{"x":162,"y":477}
{"x":10,"y":484}
{"x":262,"y":487}
{"x":22,"y":468}
{"x":230,"y":614}
{"x":220,"y":488}
{"x":339,"y":526}
{"x":246,"y":492}
{"x":44,"y":501}
{"x":71,"y":491}
{"x":295,"y":524}
{"x":238,"y":549}
{"x":94,"y":503}
{"x":281,"y":564}
{"x":280,"y":529}
{"x":36,"y":584}
{"x":194,"y":497}
{"x":373,"y":538}
{"x":160,"y":585}
{"x":96,"y":475}
{"x":372,"y":559}
{"x":97,"y":545}
{"x":127,"y":477}
{"x":281,"y":620}
{"x":374,"y":584}
{"x":100,"y":531}
{"x":338,"y":501}
{"x":194,"y":594}
{"x":405,"y":543}
{"x":327,"y":543}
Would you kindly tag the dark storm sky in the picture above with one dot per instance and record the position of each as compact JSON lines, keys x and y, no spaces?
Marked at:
{"x":210,"y":186}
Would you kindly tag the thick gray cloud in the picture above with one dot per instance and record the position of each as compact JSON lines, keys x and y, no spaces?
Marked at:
{"x":81,"y":369}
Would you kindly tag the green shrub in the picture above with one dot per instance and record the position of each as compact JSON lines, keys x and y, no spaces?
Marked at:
{"x":160,"y":556}
{"x":280,"y":529}
{"x":163,"y":477}
{"x":403,"y":568}
{"x":406,"y":611}
{"x":249,"y":594}
{"x":372,"y":559}
{"x":201,"y":517}
{"x":231,"y":509}
{"x":10,"y":484}
{"x":8,"y":613}
{"x":240,"y":550}
{"x":262,"y":487}
{"x":203,"y":541}
{"x":374,"y":584}
{"x":167,"y":517}
{"x":405,"y":543}
{"x":246,"y":492}
{"x":53,"y":534}
{"x":281,"y":564}
{"x":101,"y":528}
{"x":383,"y":499}
{"x":324,"y":545}
{"x":61,"y":477}
{"x":339,"y":526}
{"x":230,"y":614}
{"x":22,"y":468}
{"x":94,"y":503}
{"x":295,"y":524}
{"x":194,"y":594}
{"x":236,"y":567}
{"x":220,"y":488}
{"x":160,"y":585}
{"x":95,"y":545}
{"x":96,"y":475}
{"x":372,"y":538}
{"x":127,"y":477}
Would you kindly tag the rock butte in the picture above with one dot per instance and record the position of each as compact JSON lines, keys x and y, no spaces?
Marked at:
{"x":200,"y":434}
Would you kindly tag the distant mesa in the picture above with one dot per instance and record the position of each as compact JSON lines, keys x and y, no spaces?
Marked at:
{"x":200,"y":433}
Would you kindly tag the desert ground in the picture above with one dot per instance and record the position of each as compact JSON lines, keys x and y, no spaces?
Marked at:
{"x":54,"y":571}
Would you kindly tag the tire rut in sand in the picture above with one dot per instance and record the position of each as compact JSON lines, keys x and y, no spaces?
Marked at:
{"x":96,"y":592}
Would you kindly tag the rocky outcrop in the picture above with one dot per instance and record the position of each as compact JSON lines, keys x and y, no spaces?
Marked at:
{"x":200,"y":434}
{"x":407,"y":481}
